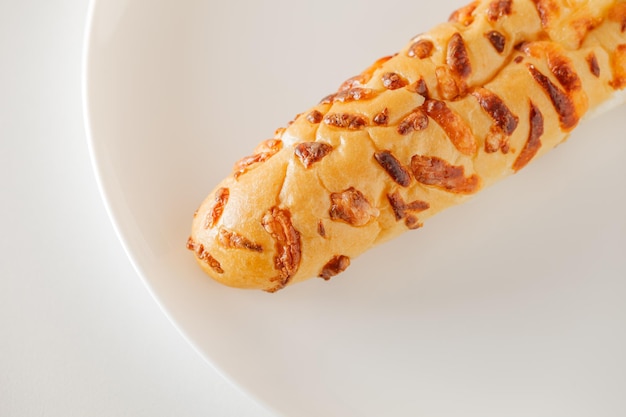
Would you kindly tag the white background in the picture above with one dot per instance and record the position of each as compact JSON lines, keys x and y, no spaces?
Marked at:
{"x":79,"y":333}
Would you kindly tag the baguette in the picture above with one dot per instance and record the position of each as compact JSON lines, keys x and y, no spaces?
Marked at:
{"x":459,"y":107}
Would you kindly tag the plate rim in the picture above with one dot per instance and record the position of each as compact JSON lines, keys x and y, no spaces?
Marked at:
{"x":113,"y":216}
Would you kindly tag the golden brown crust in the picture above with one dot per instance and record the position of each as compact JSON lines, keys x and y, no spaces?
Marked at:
{"x":532,"y":145}
{"x":461,"y":106}
{"x":335,"y":266}
{"x":277,"y":222}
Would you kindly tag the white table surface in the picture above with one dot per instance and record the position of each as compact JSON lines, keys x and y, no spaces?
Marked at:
{"x":80,"y":335}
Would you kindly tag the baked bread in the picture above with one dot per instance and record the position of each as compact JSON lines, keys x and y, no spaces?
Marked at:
{"x":462,"y":106}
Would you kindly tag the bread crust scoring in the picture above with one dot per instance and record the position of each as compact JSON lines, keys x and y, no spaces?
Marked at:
{"x":459,"y":107}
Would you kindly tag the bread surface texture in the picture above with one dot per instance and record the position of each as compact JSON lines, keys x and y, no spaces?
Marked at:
{"x":469,"y":102}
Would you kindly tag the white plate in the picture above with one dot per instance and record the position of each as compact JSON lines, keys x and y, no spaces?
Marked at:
{"x":510,"y":305}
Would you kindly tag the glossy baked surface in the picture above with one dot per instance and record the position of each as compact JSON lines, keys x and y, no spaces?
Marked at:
{"x":514,"y":305}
